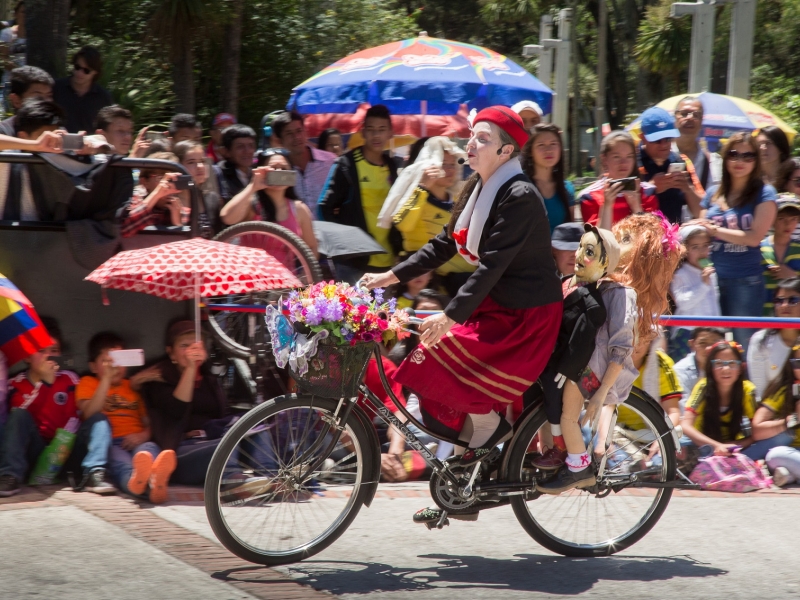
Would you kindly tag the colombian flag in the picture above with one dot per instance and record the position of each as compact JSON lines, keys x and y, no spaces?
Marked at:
{"x":21,"y":331}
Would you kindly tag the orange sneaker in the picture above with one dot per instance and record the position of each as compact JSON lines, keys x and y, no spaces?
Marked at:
{"x":163,"y":466}
{"x":142,"y":466}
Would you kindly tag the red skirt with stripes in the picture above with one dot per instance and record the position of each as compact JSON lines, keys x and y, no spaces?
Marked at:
{"x":483,"y":365}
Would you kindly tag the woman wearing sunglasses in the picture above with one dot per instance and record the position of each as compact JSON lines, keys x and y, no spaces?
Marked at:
{"x":722,"y":404}
{"x":737,"y":214}
{"x":769,"y":348}
{"x":775,"y":422}
{"x":80,"y":95}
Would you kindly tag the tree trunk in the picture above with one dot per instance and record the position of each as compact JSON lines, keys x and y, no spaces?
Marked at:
{"x":183,"y":79}
{"x":47,"y":23}
{"x":232,"y":51}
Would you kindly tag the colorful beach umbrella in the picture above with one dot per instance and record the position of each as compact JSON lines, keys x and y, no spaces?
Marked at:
{"x":725,"y":115}
{"x":21,"y":330}
{"x":419,"y":76}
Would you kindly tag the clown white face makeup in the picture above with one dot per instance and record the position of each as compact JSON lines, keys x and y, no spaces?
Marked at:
{"x":591,"y":260}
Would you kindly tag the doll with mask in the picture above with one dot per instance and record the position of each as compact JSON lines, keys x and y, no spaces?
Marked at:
{"x":635,"y":296}
{"x":584,"y":313}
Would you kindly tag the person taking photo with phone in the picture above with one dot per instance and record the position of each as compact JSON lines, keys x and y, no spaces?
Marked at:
{"x":676,"y":186}
{"x":619,"y":192}
{"x":267,"y":198}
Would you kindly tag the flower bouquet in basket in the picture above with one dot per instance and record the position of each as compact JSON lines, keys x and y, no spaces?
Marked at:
{"x":340,"y":317}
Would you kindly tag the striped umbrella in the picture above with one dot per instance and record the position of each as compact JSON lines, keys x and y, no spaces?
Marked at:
{"x":21,"y":330}
{"x":723,"y":116}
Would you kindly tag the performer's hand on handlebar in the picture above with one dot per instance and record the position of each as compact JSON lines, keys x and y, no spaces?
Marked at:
{"x":377,"y":280}
{"x":434,"y":328}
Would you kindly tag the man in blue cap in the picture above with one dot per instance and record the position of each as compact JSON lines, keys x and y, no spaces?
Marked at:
{"x":676,"y":187}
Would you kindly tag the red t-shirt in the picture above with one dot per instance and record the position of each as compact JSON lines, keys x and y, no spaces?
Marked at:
{"x":592,"y":199}
{"x":51,"y":406}
{"x":373,"y":381}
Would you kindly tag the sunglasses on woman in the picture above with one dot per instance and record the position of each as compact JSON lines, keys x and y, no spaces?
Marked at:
{"x":721,"y":364}
{"x":748,"y":157}
{"x":86,"y":70}
{"x":790,"y":300}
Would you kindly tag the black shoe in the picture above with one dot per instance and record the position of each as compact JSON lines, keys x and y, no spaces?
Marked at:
{"x":566,"y":480}
{"x":432,"y":514}
{"x":476,"y":455}
{"x":96,"y":482}
{"x":8,"y":486}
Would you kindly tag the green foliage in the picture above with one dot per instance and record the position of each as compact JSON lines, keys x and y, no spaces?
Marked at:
{"x":663,"y":43}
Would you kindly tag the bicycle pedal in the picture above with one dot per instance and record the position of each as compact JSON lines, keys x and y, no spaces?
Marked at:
{"x":437,"y":525}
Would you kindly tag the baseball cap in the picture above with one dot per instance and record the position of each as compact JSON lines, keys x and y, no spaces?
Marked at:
{"x":658,"y":124}
{"x":787,"y":201}
{"x":567,"y":236}
{"x":223,"y":118}
{"x":528,"y":105}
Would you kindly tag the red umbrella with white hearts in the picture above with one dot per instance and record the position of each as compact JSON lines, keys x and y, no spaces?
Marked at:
{"x":195,"y":268}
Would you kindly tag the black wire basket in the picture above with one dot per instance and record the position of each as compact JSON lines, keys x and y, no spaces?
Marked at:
{"x":335,"y":371}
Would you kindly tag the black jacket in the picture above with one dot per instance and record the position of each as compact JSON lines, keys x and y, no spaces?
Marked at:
{"x":516,"y":263}
{"x":341,"y":199}
{"x":584,"y":313}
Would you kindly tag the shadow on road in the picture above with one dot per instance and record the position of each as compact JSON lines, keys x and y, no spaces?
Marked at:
{"x":524,"y":572}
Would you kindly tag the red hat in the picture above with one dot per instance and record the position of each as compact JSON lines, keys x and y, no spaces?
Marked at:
{"x":507,"y":120}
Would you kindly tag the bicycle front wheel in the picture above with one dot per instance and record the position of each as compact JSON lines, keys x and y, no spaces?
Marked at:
{"x":261,"y":500}
{"x":615,"y":514}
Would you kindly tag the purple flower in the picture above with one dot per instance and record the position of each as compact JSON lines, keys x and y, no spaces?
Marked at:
{"x":312,"y":315}
{"x":392,"y":304}
{"x":378,"y":294}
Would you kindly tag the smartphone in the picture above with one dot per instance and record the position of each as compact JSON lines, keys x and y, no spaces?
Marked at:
{"x":182,"y":182}
{"x":154,"y":135}
{"x":127,"y":358}
{"x":281,"y":178}
{"x":72,"y":141}
{"x":676,"y":168}
{"x":628,"y":183}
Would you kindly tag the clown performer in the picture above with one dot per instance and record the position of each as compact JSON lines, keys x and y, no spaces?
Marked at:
{"x":476,"y":358}
{"x":584,"y":314}
{"x":635,"y":296}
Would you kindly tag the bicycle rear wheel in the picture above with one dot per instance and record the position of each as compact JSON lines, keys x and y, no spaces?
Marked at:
{"x":259,"y":500}
{"x":611,"y":516}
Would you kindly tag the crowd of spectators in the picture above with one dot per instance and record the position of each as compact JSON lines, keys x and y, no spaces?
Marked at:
{"x":741,"y":239}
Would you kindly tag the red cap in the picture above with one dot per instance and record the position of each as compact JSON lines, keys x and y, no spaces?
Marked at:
{"x":507,"y":120}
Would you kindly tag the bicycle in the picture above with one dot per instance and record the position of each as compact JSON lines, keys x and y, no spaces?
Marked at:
{"x":291,"y":475}
{"x":240,"y":334}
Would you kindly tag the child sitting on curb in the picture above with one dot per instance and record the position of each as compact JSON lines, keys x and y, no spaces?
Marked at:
{"x":134,"y":461}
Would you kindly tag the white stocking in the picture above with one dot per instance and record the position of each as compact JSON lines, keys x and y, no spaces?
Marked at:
{"x":483,"y":427}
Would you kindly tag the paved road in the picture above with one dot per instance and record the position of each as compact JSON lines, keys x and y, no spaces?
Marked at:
{"x":84,"y":547}
{"x":732,"y":547}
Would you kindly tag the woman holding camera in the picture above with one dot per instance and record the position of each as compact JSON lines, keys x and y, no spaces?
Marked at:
{"x":776,"y":422}
{"x":609,"y":200}
{"x":191,"y":155}
{"x":259,"y":201}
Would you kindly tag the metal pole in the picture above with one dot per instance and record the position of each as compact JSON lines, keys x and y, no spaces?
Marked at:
{"x":545,"y":72}
{"x":575,"y":143}
{"x":600,"y":101}
{"x":703,"y":15}
{"x":561,"y":104}
{"x":741,"y":47}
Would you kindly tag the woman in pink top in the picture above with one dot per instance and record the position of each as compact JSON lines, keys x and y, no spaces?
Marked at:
{"x":276,"y":204}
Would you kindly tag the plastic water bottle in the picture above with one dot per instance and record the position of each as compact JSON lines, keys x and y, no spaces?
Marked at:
{"x":747,"y":429}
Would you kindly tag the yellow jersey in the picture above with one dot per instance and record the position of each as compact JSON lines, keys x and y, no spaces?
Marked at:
{"x":373,"y":182}
{"x":668,"y":388}
{"x":423,"y":217}
{"x":697,"y":404}
{"x":777,"y":404}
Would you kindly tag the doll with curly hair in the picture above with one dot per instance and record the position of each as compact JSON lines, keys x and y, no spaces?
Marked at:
{"x":635,"y":296}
